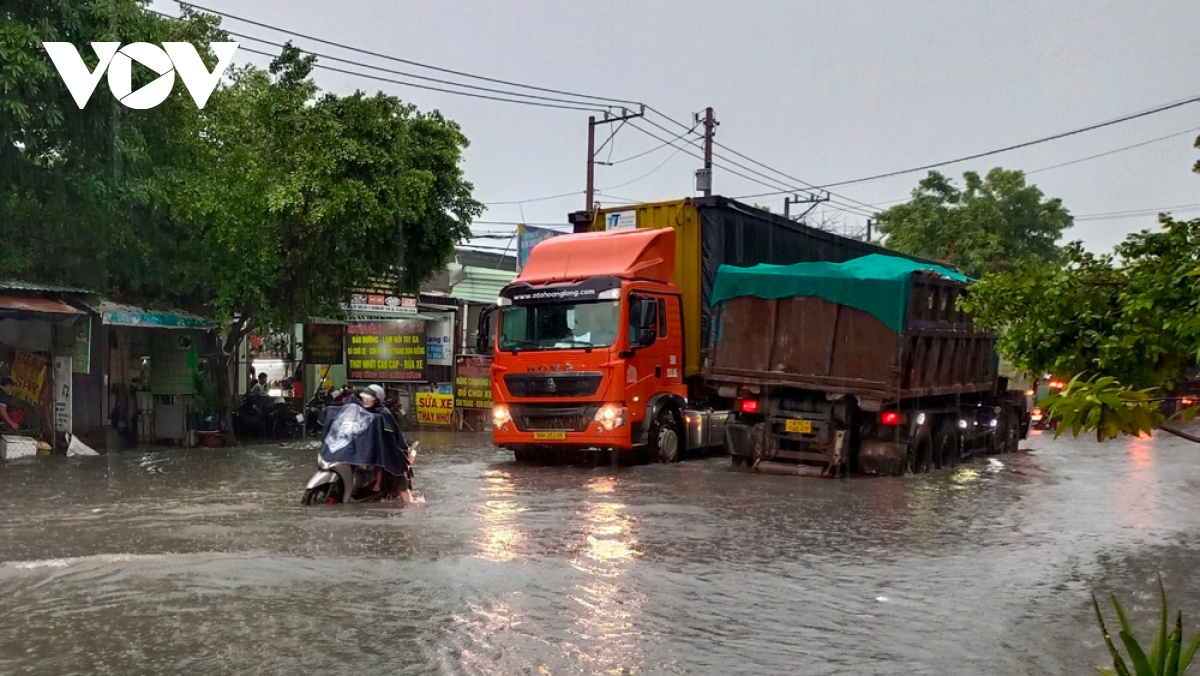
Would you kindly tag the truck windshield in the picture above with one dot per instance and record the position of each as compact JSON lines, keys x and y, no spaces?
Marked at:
{"x":559,"y":325}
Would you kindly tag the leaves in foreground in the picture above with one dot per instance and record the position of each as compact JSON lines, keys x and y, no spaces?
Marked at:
{"x":1167,"y":657}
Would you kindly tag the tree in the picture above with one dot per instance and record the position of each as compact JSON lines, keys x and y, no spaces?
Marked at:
{"x":1126,"y":326}
{"x":295,"y":200}
{"x":993,"y":224}
{"x":267,"y":207}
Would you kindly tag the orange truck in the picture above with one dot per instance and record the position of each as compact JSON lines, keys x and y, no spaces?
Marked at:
{"x":609,"y":348}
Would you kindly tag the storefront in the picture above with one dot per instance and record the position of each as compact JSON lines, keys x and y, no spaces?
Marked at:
{"x":151,"y":366}
{"x":37,"y":327}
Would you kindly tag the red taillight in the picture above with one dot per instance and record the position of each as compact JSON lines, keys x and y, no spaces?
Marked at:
{"x":1056,"y":385}
{"x":1037,"y":411}
{"x":748,"y":406}
{"x":1188,"y":402}
{"x":890,"y":418}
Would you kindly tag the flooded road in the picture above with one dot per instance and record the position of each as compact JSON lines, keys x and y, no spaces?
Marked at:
{"x":203,"y":560}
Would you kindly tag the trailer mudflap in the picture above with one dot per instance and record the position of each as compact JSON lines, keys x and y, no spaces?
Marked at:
{"x":750,"y":441}
{"x":884,"y":458}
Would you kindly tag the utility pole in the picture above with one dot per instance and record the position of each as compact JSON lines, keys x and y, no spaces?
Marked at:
{"x":704,"y":176}
{"x":811,"y":199}
{"x":869,"y":224}
{"x":591,"y":161}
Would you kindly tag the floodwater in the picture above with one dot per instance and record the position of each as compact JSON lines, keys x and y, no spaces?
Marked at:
{"x":203,"y":560}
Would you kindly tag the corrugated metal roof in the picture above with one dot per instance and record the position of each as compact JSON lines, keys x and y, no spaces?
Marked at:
{"x":116,"y":314}
{"x":20,"y":306}
{"x":17,"y":285}
{"x":482,"y":285}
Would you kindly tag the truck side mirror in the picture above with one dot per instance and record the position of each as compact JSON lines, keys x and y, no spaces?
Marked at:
{"x":483,"y":333}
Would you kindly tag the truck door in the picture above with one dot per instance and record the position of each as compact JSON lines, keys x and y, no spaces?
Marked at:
{"x":647,"y":373}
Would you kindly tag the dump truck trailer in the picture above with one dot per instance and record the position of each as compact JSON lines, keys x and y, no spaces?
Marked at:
{"x":867,"y":365}
{"x":604,"y":347}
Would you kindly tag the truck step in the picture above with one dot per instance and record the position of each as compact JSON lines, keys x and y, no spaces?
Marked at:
{"x":788,"y":469}
{"x":804,"y":456}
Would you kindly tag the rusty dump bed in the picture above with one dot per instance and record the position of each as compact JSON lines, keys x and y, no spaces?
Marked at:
{"x":812,"y":343}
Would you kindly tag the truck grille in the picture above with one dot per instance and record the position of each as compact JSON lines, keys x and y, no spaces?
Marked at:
{"x":539,"y":418}
{"x":554,"y":384}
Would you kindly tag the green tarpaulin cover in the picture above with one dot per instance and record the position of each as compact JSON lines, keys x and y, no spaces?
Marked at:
{"x":877,"y":284}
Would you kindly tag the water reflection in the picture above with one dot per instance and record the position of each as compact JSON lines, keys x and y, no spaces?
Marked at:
{"x":500,"y":533}
{"x":609,"y":606}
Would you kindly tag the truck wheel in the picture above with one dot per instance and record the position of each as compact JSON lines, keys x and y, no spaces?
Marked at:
{"x":945,"y":446}
{"x":920,"y":456}
{"x":664,"y":437}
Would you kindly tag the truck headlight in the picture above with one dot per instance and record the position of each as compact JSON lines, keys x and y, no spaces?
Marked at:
{"x":500,"y":415}
{"x":610,"y":416}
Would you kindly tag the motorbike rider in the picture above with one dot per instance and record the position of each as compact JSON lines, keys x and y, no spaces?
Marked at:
{"x":372,"y":398}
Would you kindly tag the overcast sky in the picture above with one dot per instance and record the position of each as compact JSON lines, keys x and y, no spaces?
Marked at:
{"x":824,"y":91}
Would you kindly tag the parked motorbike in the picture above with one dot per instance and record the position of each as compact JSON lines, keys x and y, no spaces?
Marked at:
{"x":340,"y":482}
{"x":314,"y":411}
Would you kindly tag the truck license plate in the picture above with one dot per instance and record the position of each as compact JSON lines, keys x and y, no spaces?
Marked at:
{"x":798,"y":426}
{"x":546,"y":436}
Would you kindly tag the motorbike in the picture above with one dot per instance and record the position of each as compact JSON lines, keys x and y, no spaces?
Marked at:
{"x":340,"y":482}
{"x":314,"y":411}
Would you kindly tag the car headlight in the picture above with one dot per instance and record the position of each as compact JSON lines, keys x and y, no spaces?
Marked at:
{"x":500,"y":415}
{"x":610,"y":416}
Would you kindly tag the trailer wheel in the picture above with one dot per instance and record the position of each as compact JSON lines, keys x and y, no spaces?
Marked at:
{"x":920,"y":456}
{"x":664,"y":437}
{"x":945,"y":446}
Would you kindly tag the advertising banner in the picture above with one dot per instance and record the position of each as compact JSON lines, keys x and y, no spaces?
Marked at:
{"x":434,"y":409}
{"x":439,"y":349}
{"x":473,"y":382}
{"x":28,"y":374}
{"x":386,"y":351}
{"x":323,"y":343}
{"x":529,"y":237}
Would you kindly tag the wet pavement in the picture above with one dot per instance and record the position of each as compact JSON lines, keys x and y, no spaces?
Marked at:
{"x":203,"y":560}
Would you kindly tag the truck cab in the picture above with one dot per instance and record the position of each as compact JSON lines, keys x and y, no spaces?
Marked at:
{"x":588,"y":348}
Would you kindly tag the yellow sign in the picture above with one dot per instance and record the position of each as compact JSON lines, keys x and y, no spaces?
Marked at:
{"x":798,"y":426}
{"x":434,"y":409}
{"x":549,"y":435}
{"x":28,"y":374}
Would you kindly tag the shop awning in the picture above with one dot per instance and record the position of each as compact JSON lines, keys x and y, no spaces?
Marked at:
{"x":482,"y":285}
{"x":30,"y":307}
{"x":115,"y":314}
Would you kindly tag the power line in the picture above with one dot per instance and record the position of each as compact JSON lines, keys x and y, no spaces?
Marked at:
{"x":725,"y":168}
{"x":647,"y":152}
{"x":1181,"y":208}
{"x":360,"y":64}
{"x":409,"y":62}
{"x":1045,"y":139}
{"x":436,"y":89}
{"x":1117,"y":150}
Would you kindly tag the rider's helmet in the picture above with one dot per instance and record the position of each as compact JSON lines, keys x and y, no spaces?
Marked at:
{"x":375,"y":391}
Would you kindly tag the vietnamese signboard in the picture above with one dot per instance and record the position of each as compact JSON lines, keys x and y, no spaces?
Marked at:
{"x":473,"y":382}
{"x":28,"y":375}
{"x":390,"y":350}
{"x":324,"y":343}
{"x":62,"y":394}
{"x":379,"y":304}
{"x":81,"y":348}
{"x":434,"y":409}
{"x":439,"y":336}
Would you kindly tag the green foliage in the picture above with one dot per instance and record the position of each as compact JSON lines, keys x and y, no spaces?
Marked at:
{"x":1167,"y":657}
{"x":995,"y":223}
{"x":1132,"y":315}
{"x":269,"y":205}
{"x":1104,"y":405}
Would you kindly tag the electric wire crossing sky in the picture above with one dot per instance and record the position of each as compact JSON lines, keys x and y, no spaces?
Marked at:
{"x":171,"y":58}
